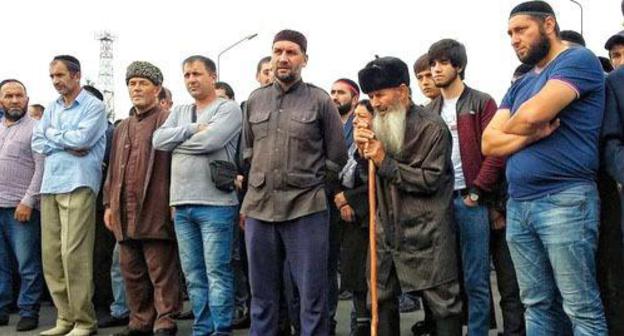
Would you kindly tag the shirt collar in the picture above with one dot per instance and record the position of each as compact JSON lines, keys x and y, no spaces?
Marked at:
{"x":294,"y":87}
{"x":80,"y":98}
{"x":145,"y":114}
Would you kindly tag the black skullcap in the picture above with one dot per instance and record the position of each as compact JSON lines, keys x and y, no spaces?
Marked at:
{"x":615,"y":39}
{"x":383,"y":73}
{"x":532,"y":8}
{"x":292,"y":36}
{"x":572,"y":36}
{"x":353,"y":85}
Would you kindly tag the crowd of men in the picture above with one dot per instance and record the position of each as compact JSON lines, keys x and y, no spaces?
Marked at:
{"x":253,"y":210}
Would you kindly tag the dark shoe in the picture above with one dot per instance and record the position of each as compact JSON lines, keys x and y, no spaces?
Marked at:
{"x":4,"y":320}
{"x":133,"y":332}
{"x":362,"y":329}
{"x":187,"y":315}
{"x":166,"y":332}
{"x":110,"y":321}
{"x":241,"y":319}
{"x":27,"y":323}
{"x":423,"y":328}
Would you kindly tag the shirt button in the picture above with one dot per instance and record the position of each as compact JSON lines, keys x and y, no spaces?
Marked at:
{"x":126,"y":146}
{"x":281,"y":110}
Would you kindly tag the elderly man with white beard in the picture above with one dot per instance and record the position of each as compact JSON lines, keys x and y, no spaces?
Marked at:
{"x":411,"y":149}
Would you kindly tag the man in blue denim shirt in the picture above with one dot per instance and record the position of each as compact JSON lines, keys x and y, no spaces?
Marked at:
{"x":549,"y":124}
{"x":71,"y":135}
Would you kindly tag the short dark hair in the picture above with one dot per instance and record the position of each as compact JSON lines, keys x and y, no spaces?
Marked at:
{"x":450,"y":50}
{"x":572,"y":36}
{"x":208,"y":63}
{"x":422,"y":64}
{"x":164,"y":93}
{"x":71,"y":62}
{"x":12,"y":80}
{"x":229,"y":92}
{"x":266,"y":59}
{"x":38,"y":107}
{"x":367,"y":104}
{"x":94,"y":92}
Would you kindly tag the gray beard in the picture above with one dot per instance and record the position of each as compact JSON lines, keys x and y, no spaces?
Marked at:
{"x":390,"y":128}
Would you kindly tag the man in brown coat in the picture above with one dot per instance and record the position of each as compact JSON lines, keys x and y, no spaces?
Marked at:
{"x":136,"y":197}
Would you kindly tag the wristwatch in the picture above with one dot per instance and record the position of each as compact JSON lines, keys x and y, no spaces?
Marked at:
{"x":474,"y":194}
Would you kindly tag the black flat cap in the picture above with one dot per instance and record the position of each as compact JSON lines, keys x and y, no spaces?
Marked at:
{"x":383,"y":73}
{"x":615,"y":39}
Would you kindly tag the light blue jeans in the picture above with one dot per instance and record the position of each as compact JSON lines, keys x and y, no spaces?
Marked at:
{"x":119,"y":307}
{"x":205,"y":236}
{"x":473,"y":226}
{"x":553,"y":242}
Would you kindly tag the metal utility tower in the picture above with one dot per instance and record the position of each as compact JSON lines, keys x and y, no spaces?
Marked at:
{"x":105,"y":75}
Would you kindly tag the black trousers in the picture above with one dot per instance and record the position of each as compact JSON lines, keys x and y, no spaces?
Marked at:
{"x":511,"y":306}
{"x":443,"y":300}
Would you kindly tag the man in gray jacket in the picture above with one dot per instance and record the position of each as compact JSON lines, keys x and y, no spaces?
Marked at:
{"x":199,"y":135}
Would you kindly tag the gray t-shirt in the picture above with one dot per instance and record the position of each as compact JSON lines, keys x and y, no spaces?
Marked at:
{"x":191,"y":182}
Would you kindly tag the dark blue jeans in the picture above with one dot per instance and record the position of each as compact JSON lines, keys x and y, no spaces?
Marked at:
{"x":23,"y":240}
{"x":474,"y":240}
{"x":553,"y":242}
{"x":303,"y":242}
{"x":205,"y":235}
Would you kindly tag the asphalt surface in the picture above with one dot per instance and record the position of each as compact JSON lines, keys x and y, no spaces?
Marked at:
{"x":48,"y":316}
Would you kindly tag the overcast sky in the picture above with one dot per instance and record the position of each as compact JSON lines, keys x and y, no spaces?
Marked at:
{"x":342,"y":37}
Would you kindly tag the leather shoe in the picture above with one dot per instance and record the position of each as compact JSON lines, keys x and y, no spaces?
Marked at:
{"x":27,"y":323}
{"x":82,"y":332}
{"x":59,"y":330}
{"x":166,"y":332}
{"x":109,"y":321}
{"x":4,"y":320}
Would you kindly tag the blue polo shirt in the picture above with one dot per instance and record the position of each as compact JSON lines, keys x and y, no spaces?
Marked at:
{"x":569,"y":156}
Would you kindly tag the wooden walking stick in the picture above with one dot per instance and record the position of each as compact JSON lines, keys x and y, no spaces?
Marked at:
{"x":372,"y":208}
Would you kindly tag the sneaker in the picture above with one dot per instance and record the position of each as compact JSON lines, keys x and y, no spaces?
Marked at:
{"x":109,"y":321}
{"x":4,"y":320}
{"x":27,"y":323}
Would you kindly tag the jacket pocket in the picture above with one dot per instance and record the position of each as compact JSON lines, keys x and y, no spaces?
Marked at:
{"x":260,"y":124}
{"x":256,"y":180}
{"x":302,"y":124}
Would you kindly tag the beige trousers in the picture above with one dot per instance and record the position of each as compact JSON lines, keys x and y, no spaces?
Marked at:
{"x":68,"y":235}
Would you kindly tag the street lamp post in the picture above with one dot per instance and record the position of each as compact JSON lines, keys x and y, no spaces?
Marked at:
{"x":246,"y":38}
{"x":581,"y":7}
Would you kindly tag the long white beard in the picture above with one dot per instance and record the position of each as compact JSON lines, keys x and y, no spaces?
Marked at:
{"x":390,"y":128}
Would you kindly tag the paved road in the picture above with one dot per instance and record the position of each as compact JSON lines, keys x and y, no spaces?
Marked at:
{"x":48,"y":315}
